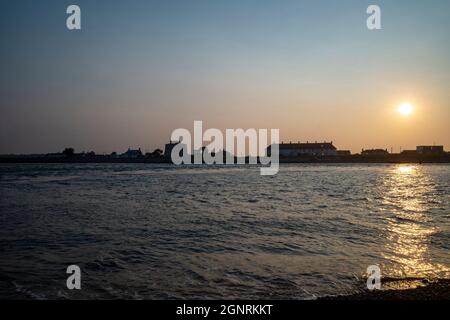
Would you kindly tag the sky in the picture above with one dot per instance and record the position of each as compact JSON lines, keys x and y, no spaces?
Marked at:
{"x":137,"y":70}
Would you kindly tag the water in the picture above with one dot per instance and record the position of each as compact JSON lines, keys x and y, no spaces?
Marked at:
{"x":142,"y":231}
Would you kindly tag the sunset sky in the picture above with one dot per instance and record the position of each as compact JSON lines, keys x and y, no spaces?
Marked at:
{"x":139,"y":69}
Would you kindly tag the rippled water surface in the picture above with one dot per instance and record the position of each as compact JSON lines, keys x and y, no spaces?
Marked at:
{"x":160,"y":232}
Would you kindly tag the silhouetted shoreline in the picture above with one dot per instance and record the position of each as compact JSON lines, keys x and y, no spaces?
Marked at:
{"x":389,"y":158}
{"x":403,"y":289}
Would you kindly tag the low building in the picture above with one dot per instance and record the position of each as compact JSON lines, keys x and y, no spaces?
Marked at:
{"x":374,"y":152}
{"x":409,"y":152}
{"x":305,"y":149}
{"x":430,"y":149}
{"x":157,"y":153}
{"x":343,"y":153}
{"x":168,"y":150}
{"x":130,"y":153}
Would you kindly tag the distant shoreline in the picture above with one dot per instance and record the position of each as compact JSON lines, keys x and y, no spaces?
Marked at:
{"x":390,"y":158}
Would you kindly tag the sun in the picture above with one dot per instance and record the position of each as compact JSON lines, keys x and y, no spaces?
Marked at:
{"x":405,"y":109}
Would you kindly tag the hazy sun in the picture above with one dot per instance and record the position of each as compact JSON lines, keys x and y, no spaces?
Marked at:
{"x":405,"y":109}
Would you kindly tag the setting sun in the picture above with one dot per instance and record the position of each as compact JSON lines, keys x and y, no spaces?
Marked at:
{"x":405,"y":109}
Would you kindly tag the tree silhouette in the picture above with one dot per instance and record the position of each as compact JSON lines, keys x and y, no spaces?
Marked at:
{"x":157,"y":153}
{"x":68,"y":152}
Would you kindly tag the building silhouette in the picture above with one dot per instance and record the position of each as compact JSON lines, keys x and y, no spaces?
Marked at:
{"x":305,"y":149}
{"x":168,"y":150}
{"x":131,"y":154}
{"x":430,"y":149}
{"x":374,"y":152}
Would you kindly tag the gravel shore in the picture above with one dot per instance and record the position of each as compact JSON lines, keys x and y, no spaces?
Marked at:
{"x":405,"y":289}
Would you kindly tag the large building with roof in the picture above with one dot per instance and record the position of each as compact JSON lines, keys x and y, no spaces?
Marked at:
{"x":306,"y":149}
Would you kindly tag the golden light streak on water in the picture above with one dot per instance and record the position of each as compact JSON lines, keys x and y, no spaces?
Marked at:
{"x":410,"y":193}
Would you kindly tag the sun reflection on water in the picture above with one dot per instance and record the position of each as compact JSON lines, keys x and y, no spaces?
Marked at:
{"x":406,"y":169}
{"x":410,"y":197}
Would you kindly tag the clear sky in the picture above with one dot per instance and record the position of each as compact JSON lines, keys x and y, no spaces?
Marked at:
{"x":139,"y":69}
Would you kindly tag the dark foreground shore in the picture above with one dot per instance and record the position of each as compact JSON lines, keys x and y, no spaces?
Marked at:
{"x":405,"y":289}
